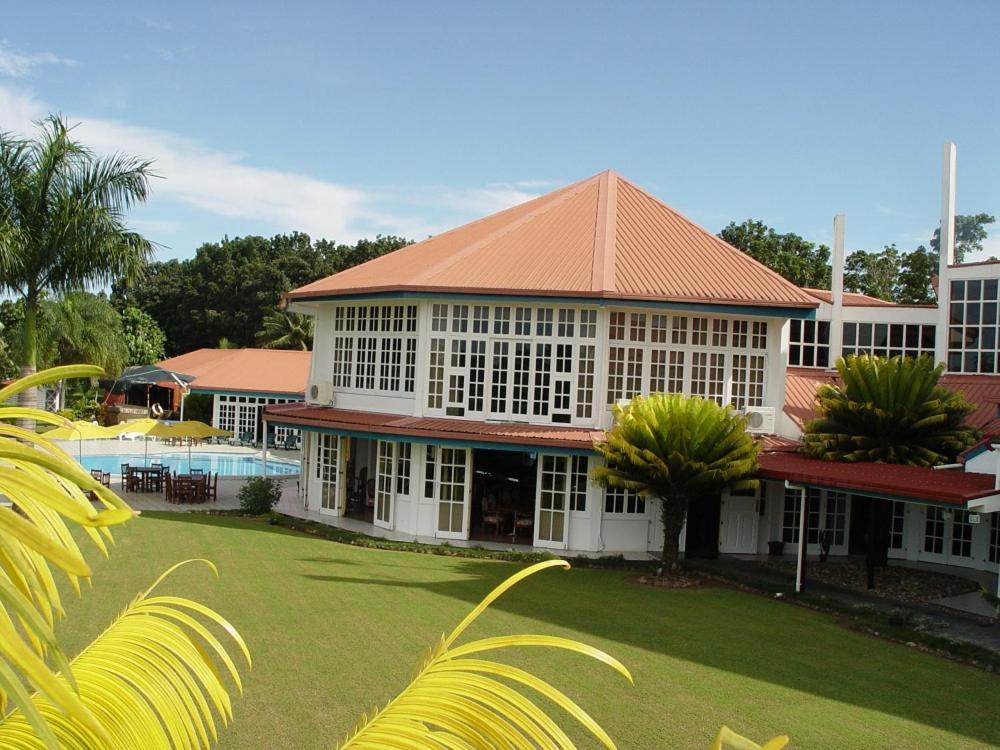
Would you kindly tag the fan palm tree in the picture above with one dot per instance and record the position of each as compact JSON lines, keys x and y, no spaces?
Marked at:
{"x":889,"y":410}
{"x":676,"y":450}
{"x":62,"y":222}
{"x":282,"y":329}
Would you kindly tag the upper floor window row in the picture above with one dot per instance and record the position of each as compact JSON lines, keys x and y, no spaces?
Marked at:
{"x":376,"y":318}
{"x":375,"y":348}
{"x":809,"y":341}
{"x":686,"y":330}
{"x":503,"y":320}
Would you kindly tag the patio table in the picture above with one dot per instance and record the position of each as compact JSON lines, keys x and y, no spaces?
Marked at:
{"x":151,"y":477}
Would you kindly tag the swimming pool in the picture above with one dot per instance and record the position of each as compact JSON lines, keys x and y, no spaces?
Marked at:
{"x":225,"y":464}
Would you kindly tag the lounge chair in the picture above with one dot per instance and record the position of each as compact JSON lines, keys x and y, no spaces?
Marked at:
{"x":291,"y":442}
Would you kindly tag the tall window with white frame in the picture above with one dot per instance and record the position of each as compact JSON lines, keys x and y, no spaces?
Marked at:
{"x":512,"y":362}
{"x":994,"y":551}
{"x":934,"y":531}
{"x":961,"y":534}
{"x":375,"y":348}
{"x":724,"y":359}
{"x":896,"y":525}
{"x":552,"y":498}
{"x":452,"y":478}
{"x":973,"y":341}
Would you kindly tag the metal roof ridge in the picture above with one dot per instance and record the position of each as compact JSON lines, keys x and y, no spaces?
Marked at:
{"x":602,"y":276}
{"x":554,"y":199}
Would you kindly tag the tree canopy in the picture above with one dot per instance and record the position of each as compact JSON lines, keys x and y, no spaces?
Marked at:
{"x":800,"y":261}
{"x":970,"y":231}
{"x":229,"y":287}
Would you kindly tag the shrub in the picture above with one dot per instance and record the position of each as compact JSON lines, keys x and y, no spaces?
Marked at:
{"x":259,"y":495}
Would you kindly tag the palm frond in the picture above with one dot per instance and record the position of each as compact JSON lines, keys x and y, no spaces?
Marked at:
{"x":459,"y":700}
{"x":152,"y":679}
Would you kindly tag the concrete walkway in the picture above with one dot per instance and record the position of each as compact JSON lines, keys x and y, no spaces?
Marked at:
{"x":966,"y":627}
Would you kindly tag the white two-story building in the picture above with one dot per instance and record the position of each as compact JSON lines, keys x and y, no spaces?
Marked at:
{"x":457,"y":385}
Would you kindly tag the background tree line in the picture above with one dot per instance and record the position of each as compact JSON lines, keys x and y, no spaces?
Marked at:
{"x":889,"y":274}
{"x":230,"y":290}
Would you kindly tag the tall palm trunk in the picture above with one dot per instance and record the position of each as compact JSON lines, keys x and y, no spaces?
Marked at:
{"x":673,"y":511}
{"x":29,"y":357}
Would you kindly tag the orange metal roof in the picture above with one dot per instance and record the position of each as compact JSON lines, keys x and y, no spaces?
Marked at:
{"x":982,"y":390}
{"x":250,"y":370}
{"x":602,"y":237}
{"x":349,"y":420}
{"x":851,"y":299}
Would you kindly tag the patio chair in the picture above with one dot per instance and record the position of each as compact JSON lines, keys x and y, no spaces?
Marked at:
{"x":168,"y":488}
{"x":272,"y":442}
{"x":125,"y":472}
{"x":247,"y":438}
{"x":291,"y":443}
{"x":212,"y":488}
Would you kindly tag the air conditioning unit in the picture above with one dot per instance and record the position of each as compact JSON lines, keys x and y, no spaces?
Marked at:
{"x":760,"y":419}
{"x":321,"y":393}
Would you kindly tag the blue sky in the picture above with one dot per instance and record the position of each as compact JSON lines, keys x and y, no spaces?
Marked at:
{"x":349,"y":119}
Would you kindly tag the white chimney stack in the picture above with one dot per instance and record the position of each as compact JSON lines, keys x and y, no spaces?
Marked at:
{"x":837,"y":291}
{"x":946,"y":247}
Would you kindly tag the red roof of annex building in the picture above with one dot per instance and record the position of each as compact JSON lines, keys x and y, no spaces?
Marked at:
{"x":601,"y":238}
{"x":275,"y":371}
{"x":855,"y":299}
{"x":950,"y":486}
{"x":981,"y":390}
{"x":436,"y":428}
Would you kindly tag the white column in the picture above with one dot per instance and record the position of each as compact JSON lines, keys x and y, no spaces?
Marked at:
{"x":801,"y":557}
{"x":946,"y":255}
{"x":837,"y":291}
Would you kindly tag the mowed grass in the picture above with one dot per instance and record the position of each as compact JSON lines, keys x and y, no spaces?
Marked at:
{"x":336,"y":630}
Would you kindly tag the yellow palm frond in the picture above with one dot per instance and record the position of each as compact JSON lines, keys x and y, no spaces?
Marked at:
{"x":458,"y":700}
{"x":150,"y":679}
{"x":727,"y":739}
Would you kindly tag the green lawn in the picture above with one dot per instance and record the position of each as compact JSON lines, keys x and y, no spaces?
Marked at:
{"x":336,"y":629}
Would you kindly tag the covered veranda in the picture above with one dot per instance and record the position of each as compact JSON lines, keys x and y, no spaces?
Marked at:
{"x":948,"y":488}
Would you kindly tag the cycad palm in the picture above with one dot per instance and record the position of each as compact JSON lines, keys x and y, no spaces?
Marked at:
{"x":62,"y":222}
{"x":676,"y":450}
{"x":889,"y":410}
{"x":282,"y":329}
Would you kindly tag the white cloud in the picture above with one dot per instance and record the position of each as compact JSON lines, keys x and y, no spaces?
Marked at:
{"x":167,"y":55}
{"x":222,"y":183}
{"x":19,"y":64}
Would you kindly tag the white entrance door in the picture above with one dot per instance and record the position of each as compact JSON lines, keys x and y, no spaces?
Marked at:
{"x":550,"y":508}
{"x":384,"y":484}
{"x":328,"y":455}
{"x":739,"y":521}
{"x":452,"y":493}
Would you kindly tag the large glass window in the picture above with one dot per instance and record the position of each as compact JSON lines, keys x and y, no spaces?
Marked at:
{"x":719,"y":358}
{"x":375,"y":346}
{"x":888,"y":339}
{"x":973,"y":342}
{"x":934,"y":531}
{"x":896,"y":527}
{"x":961,"y":534}
{"x":994,"y":537}
{"x":809,"y":343}
{"x":625,"y":502}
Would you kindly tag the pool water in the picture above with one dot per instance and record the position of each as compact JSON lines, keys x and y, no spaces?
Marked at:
{"x":225,"y":464}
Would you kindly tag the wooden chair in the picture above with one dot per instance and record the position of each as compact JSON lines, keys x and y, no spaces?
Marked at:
{"x":183,"y":490}
{"x":212,"y":488}
{"x":168,"y":488}
{"x":522,"y":521}
{"x":126,"y":470}
{"x":492,"y":516}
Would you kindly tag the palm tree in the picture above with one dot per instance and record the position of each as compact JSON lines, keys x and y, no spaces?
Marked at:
{"x":889,"y":410}
{"x":676,"y":450}
{"x":286,"y":330}
{"x":62,"y":222}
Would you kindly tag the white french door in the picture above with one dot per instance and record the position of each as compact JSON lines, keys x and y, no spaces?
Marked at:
{"x":739,"y":523}
{"x":328,"y":473}
{"x":384,"y":484}
{"x":452,"y":492}
{"x":551,"y":504}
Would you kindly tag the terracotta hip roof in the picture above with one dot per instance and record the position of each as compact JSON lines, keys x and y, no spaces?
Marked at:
{"x":248,"y":370}
{"x":432,"y":428}
{"x":955,"y":487}
{"x":602,"y":237}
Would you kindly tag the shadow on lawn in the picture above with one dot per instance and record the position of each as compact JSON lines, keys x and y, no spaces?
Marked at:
{"x":735,"y":632}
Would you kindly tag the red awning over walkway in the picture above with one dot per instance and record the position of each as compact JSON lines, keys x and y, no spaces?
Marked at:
{"x":948,"y":486}
{"x":433,"y":428}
